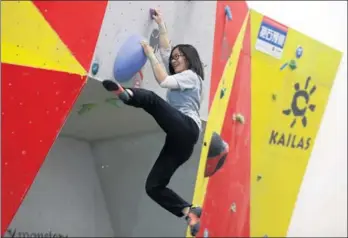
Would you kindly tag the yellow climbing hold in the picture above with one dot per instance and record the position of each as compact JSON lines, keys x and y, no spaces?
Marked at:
{"x":28,"y":40}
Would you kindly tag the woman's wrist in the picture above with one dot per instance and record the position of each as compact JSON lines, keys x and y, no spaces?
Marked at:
{"x":162,"y":28}
{"x":153,"y":59}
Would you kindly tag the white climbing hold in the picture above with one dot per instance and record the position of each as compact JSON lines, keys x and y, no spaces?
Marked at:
{"x":238,"y":117}
{"x":233,"y":207}
{"x":206,"y":233}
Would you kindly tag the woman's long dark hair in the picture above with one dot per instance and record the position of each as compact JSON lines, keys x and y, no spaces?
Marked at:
{"x":192,"y":57}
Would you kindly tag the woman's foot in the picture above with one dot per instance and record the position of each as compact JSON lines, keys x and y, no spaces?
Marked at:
{"x":115,"y":87}
{"x":193,"y":219}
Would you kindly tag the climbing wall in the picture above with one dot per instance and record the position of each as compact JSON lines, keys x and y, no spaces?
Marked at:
{"x":180,"y":18}
{"x":44,"y":66}
{"x":277,"y":81}
{"x":229,"y":97}
{"x":286,"y":115}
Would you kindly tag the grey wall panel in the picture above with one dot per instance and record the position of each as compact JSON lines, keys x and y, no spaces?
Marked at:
{"x":65,"y":197}
{"x":190,"y":22}
{"x":123,"y":166}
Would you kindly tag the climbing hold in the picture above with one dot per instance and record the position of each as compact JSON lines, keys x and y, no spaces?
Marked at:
{"x":95,"y":68}
{"x":86,"y":108}
{"x":222,"y":92}
{"x":228,"y":12}
{"x":284,"y":66}
{"x":152,"y":13}
{"x":233,"y":207}
{"x":299,"y":52}
{"x":292,"y":64}
{"x":130,"y":59}
{"x":206,"y":233}
{"x":217,"y":153}
{"x":114,"y":101}
{"x":259,"y":177}
{"x":239,"y":117}
{"x":274,"y":97}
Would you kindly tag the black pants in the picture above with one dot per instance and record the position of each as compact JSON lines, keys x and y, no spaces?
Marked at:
{"x":182,"y":135}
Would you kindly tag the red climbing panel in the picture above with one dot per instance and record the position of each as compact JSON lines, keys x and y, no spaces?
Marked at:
{"x":226,"y":204}
{"x":231,"y":30}
{"x":78,"y":24}
{"x":35,"y":104}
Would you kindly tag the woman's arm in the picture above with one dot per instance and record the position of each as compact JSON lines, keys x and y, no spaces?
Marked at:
{"x":158,"y":69}
{"x":164,"y":43}
{"x":163,"y":38}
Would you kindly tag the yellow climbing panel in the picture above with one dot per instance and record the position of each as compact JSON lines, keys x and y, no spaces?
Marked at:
{"x":287,"y":108}
{"x":28,"y":40}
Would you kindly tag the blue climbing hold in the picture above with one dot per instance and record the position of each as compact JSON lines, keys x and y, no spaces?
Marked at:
{"x":95,"y":68}
{"x":284,"y":66}
{"x":130,"y":59}
{"x":228,"y":12}
{"x":299,"y":52}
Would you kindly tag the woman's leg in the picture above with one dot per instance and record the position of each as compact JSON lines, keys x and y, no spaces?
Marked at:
{"x":168,"y":118}
{"x":173,"y":154}
{"x":182,"y":135}
{"x":169,"y":160}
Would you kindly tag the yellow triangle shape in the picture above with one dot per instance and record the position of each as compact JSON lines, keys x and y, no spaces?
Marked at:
{"x":217,"y":113}
{"x":28,"y":40}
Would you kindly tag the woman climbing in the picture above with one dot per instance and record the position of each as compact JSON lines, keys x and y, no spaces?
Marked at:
{"x":178,"y":117}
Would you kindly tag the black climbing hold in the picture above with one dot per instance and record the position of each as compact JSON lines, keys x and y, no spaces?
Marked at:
{"x":217,"y":153}
{"x":205,"y":143}
{"x":274,"y":97}
{"x":216,"y":145}
{"x":222,"y":92}
{"x":95,"y":68}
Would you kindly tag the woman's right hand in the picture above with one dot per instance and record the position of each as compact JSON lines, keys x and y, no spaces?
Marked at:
{"x":158,"y":16}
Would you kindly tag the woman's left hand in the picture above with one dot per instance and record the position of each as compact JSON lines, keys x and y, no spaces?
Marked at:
{"x":148,"y":50}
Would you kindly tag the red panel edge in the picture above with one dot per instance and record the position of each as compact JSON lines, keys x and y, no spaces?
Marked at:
{"x":35,"y":104}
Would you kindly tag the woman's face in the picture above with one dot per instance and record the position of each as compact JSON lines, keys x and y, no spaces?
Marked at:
{"x":178,"y":61}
